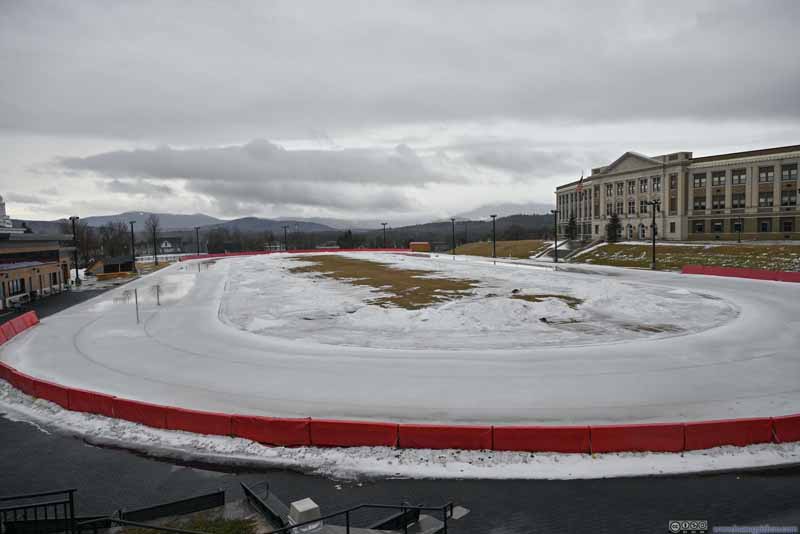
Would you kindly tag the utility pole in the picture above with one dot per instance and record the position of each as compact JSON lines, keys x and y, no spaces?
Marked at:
{"x":133,"y":245}
{"x":384,"y":234}
{"x":197,"y":238}
{"x":74,"y":219}
{"x":555,"y":234}
{"x":285,"y":238}
{"x":494,"y":238}
{"x":466,"y":232}
{"x":155,"y":247}
{"x":453,"y":220}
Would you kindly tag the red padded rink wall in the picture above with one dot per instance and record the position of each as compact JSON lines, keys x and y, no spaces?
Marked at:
{"x":739,"y":272}
{"x":656,"y":437}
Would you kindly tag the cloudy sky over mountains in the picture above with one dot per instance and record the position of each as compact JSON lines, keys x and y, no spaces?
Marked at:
{"x":397,"y":110}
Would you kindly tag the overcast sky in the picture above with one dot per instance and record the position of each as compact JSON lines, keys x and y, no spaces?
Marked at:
{"x":398,"y":110}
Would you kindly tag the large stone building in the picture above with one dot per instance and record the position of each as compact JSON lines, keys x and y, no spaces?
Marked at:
{"x":31,"y":265}
{"x":752,"y":195}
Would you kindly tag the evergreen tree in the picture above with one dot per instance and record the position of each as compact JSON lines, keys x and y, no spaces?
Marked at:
{"x":612,"y":228}
{"x":572,"y":228}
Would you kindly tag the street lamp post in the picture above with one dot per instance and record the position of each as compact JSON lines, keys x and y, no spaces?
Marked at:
{"x":384,"y":234}
{"x":494,"y":238}
{"x":285,"y":238}
{"x":453,"y":220}
{"x":133,"y":245}
{"x":74,"y":219}
{"x":197,"y":239}
{"x":466,"y":231}
{"x":741,"y":224}
{"x":555,"y":234}
{"x":654,"y":204}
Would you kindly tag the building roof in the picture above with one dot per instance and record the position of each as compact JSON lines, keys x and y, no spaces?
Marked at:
{"x":749,"y":153}
{"x":22,"y":265}
{"x":116,"y":260}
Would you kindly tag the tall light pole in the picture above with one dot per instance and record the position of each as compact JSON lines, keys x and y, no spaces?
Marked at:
{"x":494,"y":237}
{"x":384,"y":234}
{"x":741,"y":224}
{"x":466,"y":233}
{"x":133,"y":245}
{"x":197,"y":238}
{"x":285,"y":238}
{"x":555,"y":234}
{"x":74,"y":219}
{"x":453,"y":220}
{"x":654,"y":204}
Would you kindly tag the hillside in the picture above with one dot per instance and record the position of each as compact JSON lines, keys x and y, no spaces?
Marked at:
{"x":169,"y":221}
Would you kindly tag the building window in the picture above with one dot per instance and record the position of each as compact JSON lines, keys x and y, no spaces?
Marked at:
{"x":699,"y":180}
{"x":737,"y":200}
{"x":718,"y":202}
{"x":699,"y":227}
{"x":789,"y":198}
{"x":631,"y":207}
{"x":672,"y":227}
{"x":609,"y":209}
{"x":619,"y":208}
{"x":699,"y":203}
{"x":620,"y":188}
{"x":717,"y":227}
{"x":787,"y":225}
{"x":656,"y":184}
{"x":643,"y":185}
{"x":609,"y":190}
{"x":765,"y":225}
{"x":718,"y":178}
{"x":673,"y":181}
{"x":766,"y":174}
{"x":16,"y":287}
{"x":737,"y":226}
{"x":789,"y":172}
{"x":631,"y":187}
{"x":597,"y":228}
{"x":642,"y":206}
{"x":739,"y":176}
{"x":673,"y":204}
{"x":765,"y":199}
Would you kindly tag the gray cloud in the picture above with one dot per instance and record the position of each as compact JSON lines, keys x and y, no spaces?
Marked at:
{"x":523,"y":160}
{"x":136,"y":187}
{"x":286,"y":68}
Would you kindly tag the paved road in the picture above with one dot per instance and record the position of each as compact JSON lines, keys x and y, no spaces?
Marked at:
{"x":108,"y":479}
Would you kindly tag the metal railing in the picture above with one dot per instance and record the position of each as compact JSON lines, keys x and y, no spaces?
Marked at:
{"x":38,"y":516}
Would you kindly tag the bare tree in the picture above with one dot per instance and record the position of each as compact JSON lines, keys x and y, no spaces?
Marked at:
{"x":152,"y":227}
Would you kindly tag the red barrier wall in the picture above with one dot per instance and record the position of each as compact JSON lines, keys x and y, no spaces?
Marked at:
{"x":272,"y":431}
{"x":140,"y":412}
{"x":444,"y":437}
{"x":5,"y":372}
{"x":200,"y":422}
{"x":542,"y":438}
{"x":22,"y":382}
{"x":91,"y":402}
{"x":331,"y":433}
{"x":657,"y":437}
{"x":3,"y":337}
{"x":738,"y":272}
{"x":8,"y":330}
{"x":786,"y":428}
{"x":299,"y":251}
{"x":741,"y":432}
{"x":52,"y":392}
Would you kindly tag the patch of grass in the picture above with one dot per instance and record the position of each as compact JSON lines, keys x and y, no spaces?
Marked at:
{"x":505,"y":249}
{"x":671,"y":257}
{"x":406,"y":288}
{"x":572,"y":302}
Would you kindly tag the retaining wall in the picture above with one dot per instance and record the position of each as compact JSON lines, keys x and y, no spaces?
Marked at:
{"x":740,"y":272}
{"x":657,"y":437}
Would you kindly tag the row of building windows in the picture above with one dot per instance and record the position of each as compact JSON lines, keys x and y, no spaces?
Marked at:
{"x":739,"y":176}
{"x":763,"y":225}
{"x":765,"y":200}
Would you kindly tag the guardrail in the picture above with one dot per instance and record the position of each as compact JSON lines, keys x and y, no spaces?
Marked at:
{"x":290,"y":432}
{"x":39,"y":516}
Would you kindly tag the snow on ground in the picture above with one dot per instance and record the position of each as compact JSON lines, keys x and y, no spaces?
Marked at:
{"x":231,"y":336}
{"x":263,"y":297}
{"x":367,"y":462}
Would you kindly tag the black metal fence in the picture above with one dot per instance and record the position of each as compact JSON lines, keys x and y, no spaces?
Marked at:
{"x":38,"y":513}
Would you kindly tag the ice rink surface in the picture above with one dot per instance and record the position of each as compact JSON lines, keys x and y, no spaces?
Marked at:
{"x":244,"y":335}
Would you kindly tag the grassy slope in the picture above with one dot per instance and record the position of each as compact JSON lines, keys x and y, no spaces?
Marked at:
{"x":773,"y":257}
{"x":505,"y":249}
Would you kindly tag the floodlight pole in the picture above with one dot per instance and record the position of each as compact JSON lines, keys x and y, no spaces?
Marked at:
{"x":133,"y":245}
{"x":494,"y":238}
{"x":384,"y":234}
{"x":285,"y":238}
{"x":654,"y":204}
{"x":453,"y":220}
{"x":74,"y":218}
{"x":741,"y":224}
{"x":555,"y":234}
{"x":197,"y":238}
